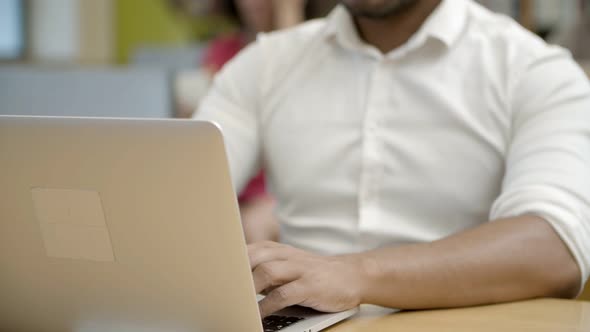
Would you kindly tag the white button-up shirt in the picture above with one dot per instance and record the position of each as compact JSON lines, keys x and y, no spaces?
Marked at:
{"x":472,"y":120}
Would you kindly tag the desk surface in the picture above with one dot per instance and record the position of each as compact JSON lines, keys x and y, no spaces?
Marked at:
{"x":543,"y":315}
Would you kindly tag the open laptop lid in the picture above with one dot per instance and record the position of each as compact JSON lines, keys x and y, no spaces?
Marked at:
{"x":120,"y":225}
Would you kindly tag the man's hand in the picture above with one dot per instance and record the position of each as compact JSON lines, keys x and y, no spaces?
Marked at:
{"x":290,"y":276}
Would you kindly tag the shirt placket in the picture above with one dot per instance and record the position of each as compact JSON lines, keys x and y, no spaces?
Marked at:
{"x":372,"y":157}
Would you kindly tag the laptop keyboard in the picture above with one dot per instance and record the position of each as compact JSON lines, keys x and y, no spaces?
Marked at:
{"x":276,"y":323}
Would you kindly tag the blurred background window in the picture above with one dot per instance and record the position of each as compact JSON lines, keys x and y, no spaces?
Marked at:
{"x":12,"y":26}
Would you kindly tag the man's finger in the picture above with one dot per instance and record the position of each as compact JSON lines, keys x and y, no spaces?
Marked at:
{"x":264,"y":244}
{"x":273,"y":274}
{"x":259,"y":254}
{"x":282,"y":297}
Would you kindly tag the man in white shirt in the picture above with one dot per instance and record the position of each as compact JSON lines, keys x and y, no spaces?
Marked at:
{"x":423,"y":153}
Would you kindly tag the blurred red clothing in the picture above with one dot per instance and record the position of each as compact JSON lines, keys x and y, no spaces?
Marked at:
{"x":222,"y":49}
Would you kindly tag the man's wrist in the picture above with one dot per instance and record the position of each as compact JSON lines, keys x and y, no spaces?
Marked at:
{"x":368,"y":276}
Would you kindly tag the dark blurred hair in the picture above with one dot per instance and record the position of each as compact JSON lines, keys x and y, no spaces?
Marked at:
{"x":313,"y":8}
{"x":229,"y":8}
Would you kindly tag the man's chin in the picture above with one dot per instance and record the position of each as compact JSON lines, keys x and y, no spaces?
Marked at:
{"x":378,"y":9}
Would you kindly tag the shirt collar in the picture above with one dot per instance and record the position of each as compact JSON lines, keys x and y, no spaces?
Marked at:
{"x":444,"y":24}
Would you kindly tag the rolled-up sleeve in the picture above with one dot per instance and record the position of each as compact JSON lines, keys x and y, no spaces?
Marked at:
{"x":548,"y":160}
{"x":232,"y":103}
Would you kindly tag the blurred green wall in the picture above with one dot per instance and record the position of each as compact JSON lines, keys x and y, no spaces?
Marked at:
{"x":141,"y":22}
{"x":153,"y":22}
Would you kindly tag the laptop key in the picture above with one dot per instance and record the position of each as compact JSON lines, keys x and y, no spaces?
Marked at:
{"x":274,"y":323}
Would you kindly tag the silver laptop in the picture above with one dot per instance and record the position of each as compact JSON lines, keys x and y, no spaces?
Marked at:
{"x":124,"y":225}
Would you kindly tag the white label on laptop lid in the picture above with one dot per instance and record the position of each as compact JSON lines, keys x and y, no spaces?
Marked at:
{"x":73,"y":224}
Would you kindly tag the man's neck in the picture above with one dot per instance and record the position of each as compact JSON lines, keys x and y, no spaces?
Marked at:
{"x":390,"y":33}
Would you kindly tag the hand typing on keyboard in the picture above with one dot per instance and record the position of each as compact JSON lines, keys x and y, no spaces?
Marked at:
{"x":291,"y":276}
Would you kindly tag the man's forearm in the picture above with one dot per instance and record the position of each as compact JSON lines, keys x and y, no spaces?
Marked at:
{"x":501,"y":261}
{"x":259,"y":220}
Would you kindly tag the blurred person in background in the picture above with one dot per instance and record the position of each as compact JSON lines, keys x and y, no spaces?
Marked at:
{"x":424,"y":154}
{"x":232,"y":24}
{"x":252,"y":17}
